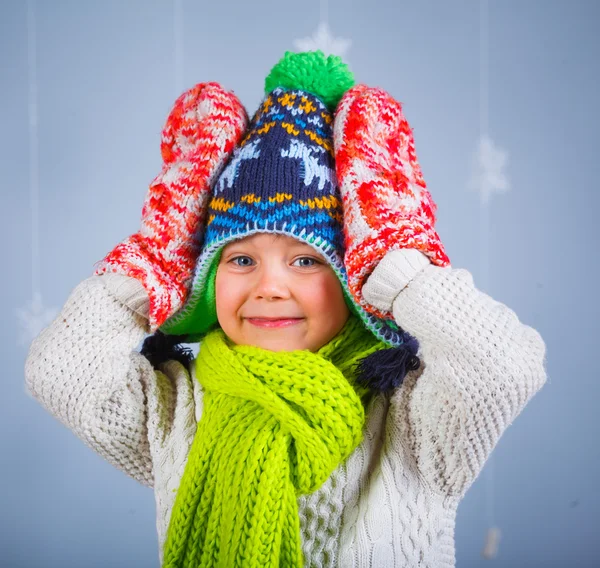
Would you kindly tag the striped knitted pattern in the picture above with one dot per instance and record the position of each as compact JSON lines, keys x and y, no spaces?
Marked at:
{"x":386,"y":203}
{"x":202,"y":130}
{"x":274,"y":426}
{"x":282,"y":173}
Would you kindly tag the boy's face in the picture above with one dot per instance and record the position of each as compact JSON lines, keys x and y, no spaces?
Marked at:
{"x":278,"y":293}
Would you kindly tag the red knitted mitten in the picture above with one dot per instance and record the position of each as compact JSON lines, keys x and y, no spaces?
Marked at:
{"x":203,"y":128}
{"x":385,"y":199}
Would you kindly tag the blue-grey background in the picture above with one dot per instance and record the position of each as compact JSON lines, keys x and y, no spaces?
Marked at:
{"x":106,"y":79}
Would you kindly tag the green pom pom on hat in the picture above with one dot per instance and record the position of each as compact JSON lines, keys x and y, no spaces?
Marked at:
{"x":281,"y":178}
{"x":328,"y":78}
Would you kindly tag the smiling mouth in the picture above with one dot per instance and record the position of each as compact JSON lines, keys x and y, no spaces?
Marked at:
{"x":274,"y":323}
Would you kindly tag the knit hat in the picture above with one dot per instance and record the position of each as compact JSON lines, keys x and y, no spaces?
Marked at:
{"x":282,"y":179}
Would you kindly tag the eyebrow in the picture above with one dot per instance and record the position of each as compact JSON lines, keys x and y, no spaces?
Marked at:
{"x":235,"y":246}
{"x":297,"y":244}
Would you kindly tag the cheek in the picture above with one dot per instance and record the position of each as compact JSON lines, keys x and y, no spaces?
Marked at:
{"x":226,"y":293}
{"x":324,"y":297}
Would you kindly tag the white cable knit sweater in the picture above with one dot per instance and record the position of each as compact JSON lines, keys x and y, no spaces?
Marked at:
{"x":393,"y":502}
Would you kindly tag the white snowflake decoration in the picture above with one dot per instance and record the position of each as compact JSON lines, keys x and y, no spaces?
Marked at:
{"x":492,"y":541}
{"x":489,"y":163}
{"x":33,"y":319}
{"x":323,"y":40}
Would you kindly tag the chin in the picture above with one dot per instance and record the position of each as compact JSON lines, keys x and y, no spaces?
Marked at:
{"x":278,"y":346}
{"x":281,"y":344}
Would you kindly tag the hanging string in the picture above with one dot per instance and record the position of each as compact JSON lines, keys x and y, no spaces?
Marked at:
{"x":490,"y":549}
{"x":33,"y":317}
{"x":178,"y":44}
{"x":33,"y":148}
{"x":324,"y":12}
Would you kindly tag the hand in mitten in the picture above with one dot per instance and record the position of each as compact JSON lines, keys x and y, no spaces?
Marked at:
{"x":391,"y":275}
{"x":203,"y":128}
{"x":387,"y":207}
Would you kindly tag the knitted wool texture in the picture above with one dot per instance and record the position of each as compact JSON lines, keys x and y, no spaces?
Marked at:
{"x":275,"y":425}
{"x":386,"y":202}
{"x":201,"y":131}
{"x":281,"y":179}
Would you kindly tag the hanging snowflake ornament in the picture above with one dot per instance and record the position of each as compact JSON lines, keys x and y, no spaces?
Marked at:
{"x":322,"y":39}
{"x":492,"y":541}
{"x":33,"y":319}
{"x":489,"y":163}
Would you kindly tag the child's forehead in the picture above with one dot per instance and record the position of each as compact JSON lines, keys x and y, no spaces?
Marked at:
{"x":269,"y":240}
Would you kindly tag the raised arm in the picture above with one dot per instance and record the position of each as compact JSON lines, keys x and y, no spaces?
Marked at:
{"x":83,"y":369}
{"x":480,"y":367}
{"x":480,"y":364}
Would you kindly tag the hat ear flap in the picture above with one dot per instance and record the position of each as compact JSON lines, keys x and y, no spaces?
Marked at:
{"x":386,"y":203}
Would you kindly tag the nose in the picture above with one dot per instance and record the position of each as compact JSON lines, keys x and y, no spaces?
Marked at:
{"x":271,"y":283}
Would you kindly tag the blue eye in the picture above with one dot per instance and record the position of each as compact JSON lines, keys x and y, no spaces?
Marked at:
{"x":249,"y":262}
{"x":238,"y":257}
{"x":312,"y":260}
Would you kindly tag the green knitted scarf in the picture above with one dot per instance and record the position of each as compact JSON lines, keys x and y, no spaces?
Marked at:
{"x":275,"y":425}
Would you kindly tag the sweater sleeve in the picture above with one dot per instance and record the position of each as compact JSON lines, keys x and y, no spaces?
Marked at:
{"x":83,"y":368}
{"x":480,"y":366}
